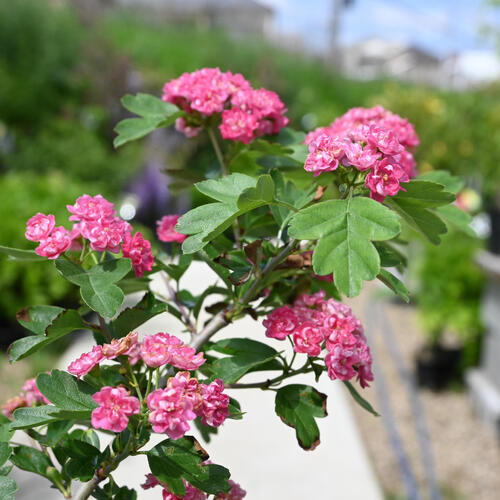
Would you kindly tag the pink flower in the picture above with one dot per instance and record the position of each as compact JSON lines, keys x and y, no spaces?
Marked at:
{"x":281,"y":322}
{"x":238,"y":125}
{"x":170,"y":411}
{"x":324,"y":154}
{"x":39,"y":227}
{"x":215,"y":407}
{"x":150,"y":482}
{"x":55,"y":244}
{"x":33,"y":394}
{"x":166,"y":229}
{"x":86,"y":362}
{"x":13,"y":404}
{"x":162,"y":348}
{"x":181,"y":125}
{"x":361,"y":157}
{"x":385,"y":140}
{"x":189,"y":387}
{"x":115,"y":408}
{"x":192,"y":493}
{"x":384,"y":180}
{"x":308,"y":338}
{"x":126,"y":346}
{"x":235,"y":493}
{"x":138,"y":250}
{"x":156,"y":350}
{"x":90,"y":208}
{"x":105,"y":234}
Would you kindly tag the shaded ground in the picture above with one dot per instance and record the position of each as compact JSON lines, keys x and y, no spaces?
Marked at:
{"x":466,"y":454}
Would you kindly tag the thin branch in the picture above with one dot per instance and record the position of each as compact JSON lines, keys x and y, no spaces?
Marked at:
{"x":180,"y":306}
{"x":104,"y":328}
{"x":266,"y":384}
{"x":218,"y":151}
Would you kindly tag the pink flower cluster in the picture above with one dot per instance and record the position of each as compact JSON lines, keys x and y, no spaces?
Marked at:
{"x":182,"y":400}
{"x":166,"y":229}
{"x":369,"y":139}
{"x":315,"y":323}
{"x":30,"y":396}
{"x":235,"y":493}
{"x":115,"y":407}
{"x":155,"y":350}
{"x":246,"y":113}
{"x":96,"y":221}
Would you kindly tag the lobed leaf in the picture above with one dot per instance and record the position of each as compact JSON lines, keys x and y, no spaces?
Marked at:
{"x":415,"y":204}
{"x":298,"y":406}
{"x":345,"y":230}
{"x":66,"y":392}
{"x":97,"y":285}
{"x":173,"y":460}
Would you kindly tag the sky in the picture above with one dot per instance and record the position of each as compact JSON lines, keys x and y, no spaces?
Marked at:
{"x":442,"y":27}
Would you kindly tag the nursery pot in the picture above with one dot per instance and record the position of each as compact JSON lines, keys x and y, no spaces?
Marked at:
{"x":437,"y":366}
{"x":494,"y":241}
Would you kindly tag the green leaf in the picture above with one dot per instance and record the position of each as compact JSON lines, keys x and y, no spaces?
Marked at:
{"x":132,"y":317}
{"x":83,"y":459}
{"x":27,"y":418}
{"x":236,"y":194}
{"x":38,"y":318}
{"x":261,"y":194}
{"x":244,"y":355}
{"x":7,"y":487}
{"x":457,"y":218}
{"x":97,"y":286}
{"x":451,"y":183}
{"x":414,"y":206}
{"x":172,"y":460}
{"x":5,"y":430}
{"x":226,"y":189}
{"x":5,"y":471}
{"x":154,"y":114}
{"x":289,"y":193}
{"x":395,"y":284}
{"x":21,"y":255}
{"x":148,"y":105}
{"x":176,"y":271}
{"x":31,"y":460}
{"x":359,"y":399}
{"x":346,"y":229}
{"x":65,"y":322}
{"x":66,"y":391}
{"x":298,"y":406}
{"x":56,"y":432}
{"x":5,"y":452}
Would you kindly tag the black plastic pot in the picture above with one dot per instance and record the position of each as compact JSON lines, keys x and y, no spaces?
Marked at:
{"x":494,"y":240}
{"x":437,"y":366}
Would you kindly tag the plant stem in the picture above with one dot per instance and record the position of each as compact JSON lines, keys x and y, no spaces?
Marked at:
{"x":180,"y":306}
{"x":266,"y":384}
{"x":220,"y":320}
{"x":218,"y":151}
{"x":104,"y":328}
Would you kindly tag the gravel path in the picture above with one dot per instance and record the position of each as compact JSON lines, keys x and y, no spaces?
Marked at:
{"x":466,"y":454}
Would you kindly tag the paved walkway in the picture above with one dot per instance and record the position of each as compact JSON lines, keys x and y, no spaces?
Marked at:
{"x":261,"y":452}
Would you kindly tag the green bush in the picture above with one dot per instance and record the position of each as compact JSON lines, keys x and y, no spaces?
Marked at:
{"x":449,"y":287}
{"x":77,"y":152}
{"x":39,"y":49}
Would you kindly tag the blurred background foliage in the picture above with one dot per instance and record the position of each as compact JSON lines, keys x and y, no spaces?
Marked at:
{"x":60,"y":86}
